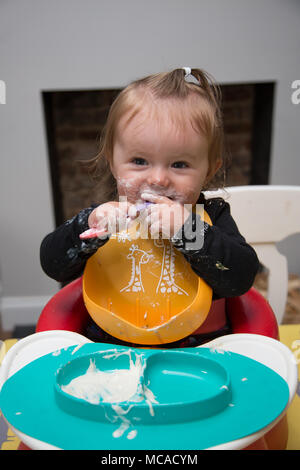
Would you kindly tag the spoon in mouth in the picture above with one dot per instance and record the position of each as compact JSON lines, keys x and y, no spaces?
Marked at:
{"x":152,"y":197}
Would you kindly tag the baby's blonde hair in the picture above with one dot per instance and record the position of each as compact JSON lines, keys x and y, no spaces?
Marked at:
{"x":199,"y":90}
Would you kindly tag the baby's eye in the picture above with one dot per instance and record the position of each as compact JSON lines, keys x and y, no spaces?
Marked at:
{"x":180,"y":165}
{"x":139,"y":161}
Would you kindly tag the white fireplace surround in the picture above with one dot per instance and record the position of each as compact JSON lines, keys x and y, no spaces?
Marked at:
{"x":98,"y":44}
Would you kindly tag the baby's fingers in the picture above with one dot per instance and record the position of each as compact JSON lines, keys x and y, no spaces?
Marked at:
{"x":155,"y":230}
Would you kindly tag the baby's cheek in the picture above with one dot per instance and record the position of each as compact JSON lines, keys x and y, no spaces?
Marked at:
{"x":128,"y":188}
{"x":188,"y":196}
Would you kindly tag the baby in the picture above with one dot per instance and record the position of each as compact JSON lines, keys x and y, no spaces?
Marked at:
{"x":162,"y":146}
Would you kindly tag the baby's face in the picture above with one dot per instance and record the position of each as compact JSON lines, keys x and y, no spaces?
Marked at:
{"x":152,"y":153}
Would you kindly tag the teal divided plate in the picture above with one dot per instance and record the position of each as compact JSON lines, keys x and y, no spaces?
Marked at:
{"x":182,"y":399}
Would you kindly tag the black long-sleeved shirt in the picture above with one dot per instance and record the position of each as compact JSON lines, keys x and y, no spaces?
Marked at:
{"x":225,"y":261}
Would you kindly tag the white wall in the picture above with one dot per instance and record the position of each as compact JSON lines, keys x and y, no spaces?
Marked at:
{"x":73,"y":44}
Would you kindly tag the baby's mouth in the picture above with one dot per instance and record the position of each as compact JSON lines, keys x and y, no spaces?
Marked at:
{"x":173,"y":197}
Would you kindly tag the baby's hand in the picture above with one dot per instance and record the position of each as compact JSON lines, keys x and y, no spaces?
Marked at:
{"x":165,"y":217}
{"x":110,"y":217}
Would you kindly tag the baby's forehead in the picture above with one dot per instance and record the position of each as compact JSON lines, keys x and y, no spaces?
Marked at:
{"x":167,"y":115}
{"x":152,"y":133}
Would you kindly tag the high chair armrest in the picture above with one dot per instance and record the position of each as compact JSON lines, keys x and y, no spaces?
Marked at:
{"x":251,"y":313}
{"x":65,"y":310}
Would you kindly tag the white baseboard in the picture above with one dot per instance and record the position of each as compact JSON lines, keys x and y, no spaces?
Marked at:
{"x":21,"y":311}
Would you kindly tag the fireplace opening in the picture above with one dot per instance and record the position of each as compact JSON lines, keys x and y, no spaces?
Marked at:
{"x":74,"y":120}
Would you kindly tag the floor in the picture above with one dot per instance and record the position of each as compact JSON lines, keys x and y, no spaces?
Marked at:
{"x":291,"y":316}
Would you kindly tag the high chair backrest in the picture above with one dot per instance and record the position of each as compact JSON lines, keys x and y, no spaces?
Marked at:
{"x":265,"y":215}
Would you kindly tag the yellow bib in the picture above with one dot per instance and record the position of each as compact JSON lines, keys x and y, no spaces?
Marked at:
{"x":142,"y":290}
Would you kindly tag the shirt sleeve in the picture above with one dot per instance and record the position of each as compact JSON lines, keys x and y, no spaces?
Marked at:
{"x":225,"y":260}
{"x":62,"y":254}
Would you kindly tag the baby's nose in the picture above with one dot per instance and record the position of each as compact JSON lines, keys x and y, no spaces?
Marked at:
{"x":159,"y":177}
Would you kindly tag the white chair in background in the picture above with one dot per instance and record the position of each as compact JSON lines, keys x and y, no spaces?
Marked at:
{"x":265,"y":215}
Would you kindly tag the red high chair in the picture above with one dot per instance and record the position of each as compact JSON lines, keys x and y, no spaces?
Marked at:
{"x":249,"y":313}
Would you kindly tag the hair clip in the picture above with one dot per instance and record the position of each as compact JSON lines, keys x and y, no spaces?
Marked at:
{"x":189,"y":77}
{"x":188,"y":71}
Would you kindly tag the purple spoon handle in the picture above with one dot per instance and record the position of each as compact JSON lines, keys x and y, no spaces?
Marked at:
{"x":143,"y":205}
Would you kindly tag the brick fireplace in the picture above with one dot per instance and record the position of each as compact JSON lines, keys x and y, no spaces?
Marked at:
{"x":74,"y":120}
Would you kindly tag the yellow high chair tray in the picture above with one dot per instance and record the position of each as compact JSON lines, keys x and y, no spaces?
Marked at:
{"x":143,"y":290}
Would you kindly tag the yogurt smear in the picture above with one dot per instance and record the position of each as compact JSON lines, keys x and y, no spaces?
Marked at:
{"x":113,"y":386}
